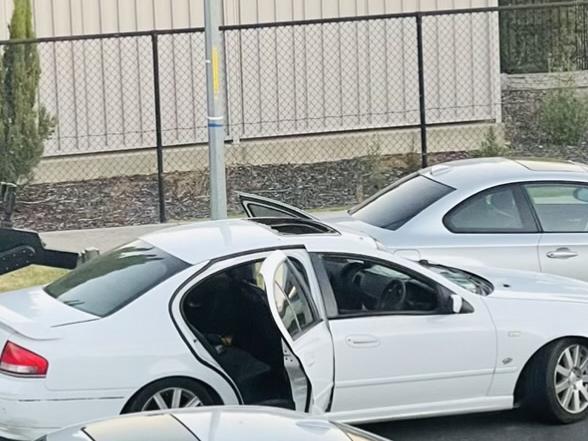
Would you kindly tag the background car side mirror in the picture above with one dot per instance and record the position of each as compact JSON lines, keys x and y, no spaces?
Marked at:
{"x":456,"y":303}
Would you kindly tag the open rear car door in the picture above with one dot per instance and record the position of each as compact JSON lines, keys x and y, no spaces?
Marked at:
{"x":305,"y":333}
{"x":259,"y":206}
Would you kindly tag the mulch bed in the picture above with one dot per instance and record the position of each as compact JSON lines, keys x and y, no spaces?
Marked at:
{"x":133,"y":200}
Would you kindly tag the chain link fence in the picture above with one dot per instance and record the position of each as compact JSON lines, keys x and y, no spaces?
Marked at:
{"x":320,"y":114}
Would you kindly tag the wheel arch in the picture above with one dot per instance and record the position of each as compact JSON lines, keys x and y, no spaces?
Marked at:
{"x":217,"y":400}
{"x":520,"y":386}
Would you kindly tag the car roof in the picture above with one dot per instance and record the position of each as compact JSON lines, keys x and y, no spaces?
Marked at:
{"x":486,"y":172}
{"x":209,"y":240}
{"x":216,"y":423}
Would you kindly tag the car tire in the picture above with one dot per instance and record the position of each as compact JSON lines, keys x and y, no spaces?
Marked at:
{"x":557,"y":390}
{"x":166,"y":394}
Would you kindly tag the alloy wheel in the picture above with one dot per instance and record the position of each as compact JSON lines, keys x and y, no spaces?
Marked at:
{"x":172,"y":398}
{"x":571,"y":379}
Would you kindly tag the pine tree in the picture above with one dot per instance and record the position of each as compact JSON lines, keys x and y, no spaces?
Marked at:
{"x":25,"y":124}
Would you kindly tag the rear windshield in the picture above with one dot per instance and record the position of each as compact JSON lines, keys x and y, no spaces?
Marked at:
{"x":113,"y":280}
{"x":400,"y":202}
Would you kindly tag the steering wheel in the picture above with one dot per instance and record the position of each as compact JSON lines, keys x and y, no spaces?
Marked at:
{"x":393,"y":297}
{"x":350,"y":286}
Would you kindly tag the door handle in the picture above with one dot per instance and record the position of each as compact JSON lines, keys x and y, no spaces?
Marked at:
{"x":562,"y":253}
{"x":362,"y":341}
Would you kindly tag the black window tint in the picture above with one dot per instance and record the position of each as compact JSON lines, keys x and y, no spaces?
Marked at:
{"x":499,"y":210}
{"x":113,"y":280}
{"x":400,"y":202}
{"x":561,"y":208}
{"x":362,"y":287}
{"x":264,"y":211}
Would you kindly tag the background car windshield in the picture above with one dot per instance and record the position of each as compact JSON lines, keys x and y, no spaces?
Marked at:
{"x":113,"y":280}
{"x":400,"y":202}
{"x":466,"y":280}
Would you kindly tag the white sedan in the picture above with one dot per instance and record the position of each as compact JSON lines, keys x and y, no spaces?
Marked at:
{"x":287,"y":313}
{"x":530,"y":215}
{"x":214,"y":424}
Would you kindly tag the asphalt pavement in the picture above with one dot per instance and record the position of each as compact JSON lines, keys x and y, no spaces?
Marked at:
{"x":499,"y":426}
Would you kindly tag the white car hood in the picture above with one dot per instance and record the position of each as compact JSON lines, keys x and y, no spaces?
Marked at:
{"x":527,"y":285}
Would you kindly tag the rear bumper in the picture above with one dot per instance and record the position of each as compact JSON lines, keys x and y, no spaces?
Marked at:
{"x":29,"y":420}
{"x":28,"y":410}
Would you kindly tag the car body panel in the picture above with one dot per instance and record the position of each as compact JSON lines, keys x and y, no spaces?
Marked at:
{"x":314,"y":348}
{"x":565,"y":254}
{"x":95,"y":367}
{"x":226,"y":423}
{"x":426,"y":237}
{"x":33,"y":314}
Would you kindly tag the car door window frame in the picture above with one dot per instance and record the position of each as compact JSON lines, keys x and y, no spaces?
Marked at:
{"x":524,"y":205}
{"x":523,"y":186}
{"x":330,"y":299}
{"x":307,"y":293}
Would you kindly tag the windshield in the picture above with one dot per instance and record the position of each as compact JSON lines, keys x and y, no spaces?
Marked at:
{"x":397,"y":204}
{"x":465,"y":280}
{"x":106,"y":284}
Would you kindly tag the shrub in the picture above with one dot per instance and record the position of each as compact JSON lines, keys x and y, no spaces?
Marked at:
{"x":491,"y":146}
{"x":564,"y":117}
{"x":24,"y":124}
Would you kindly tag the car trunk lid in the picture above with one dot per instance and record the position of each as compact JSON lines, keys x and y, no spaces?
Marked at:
{"x":34,"y":314}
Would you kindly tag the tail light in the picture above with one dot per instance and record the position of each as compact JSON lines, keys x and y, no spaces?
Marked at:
{"x":17,"y":360}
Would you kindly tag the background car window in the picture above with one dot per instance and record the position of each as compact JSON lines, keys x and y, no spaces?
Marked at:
{"x":113,"y":280}
{"x":364,"y":287}
{"x":397,"y":204}
{"x":494,"y":211}
{"x":293,"y":301}
{"x":561,"y":208}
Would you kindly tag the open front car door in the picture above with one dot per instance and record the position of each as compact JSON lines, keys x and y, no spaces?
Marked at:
{"x":308,"y":350}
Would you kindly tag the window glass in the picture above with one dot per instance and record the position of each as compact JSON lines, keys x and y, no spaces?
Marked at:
{"x":400,"y":202}
{"x":293,"y":300}
{"x":364,"y":287}
{"x":264,"y":211}
{"x":493,"y":211}
{"x":111,"y":281}
{"x":561,"y":208}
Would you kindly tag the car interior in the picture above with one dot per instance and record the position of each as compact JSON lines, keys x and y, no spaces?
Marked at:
{"x":362,"y":287}
{"x":230,"y":315}
{"x":561,"y":208}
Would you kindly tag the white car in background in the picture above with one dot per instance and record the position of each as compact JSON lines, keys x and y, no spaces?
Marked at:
{"x":214,"y":424}
{"x":521,"y":214}
{"x":287,"y":313}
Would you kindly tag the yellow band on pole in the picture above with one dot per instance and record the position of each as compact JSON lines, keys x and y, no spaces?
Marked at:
{"x":215,"y":71}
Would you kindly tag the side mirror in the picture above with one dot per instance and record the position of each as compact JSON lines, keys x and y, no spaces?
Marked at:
{"x":581,"y":194}
{"x":456,"y":303}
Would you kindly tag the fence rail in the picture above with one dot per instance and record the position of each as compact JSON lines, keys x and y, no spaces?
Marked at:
{"x":343,"y":105}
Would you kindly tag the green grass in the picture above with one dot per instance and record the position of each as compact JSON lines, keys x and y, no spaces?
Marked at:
{"x":27,"y":277}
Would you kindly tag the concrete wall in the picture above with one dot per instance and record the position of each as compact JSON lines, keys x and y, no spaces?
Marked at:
{"x":308,"y":149}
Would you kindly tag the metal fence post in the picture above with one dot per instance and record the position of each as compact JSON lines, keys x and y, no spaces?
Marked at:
{"x":158,"y":134}
{"x":422,"y":90}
